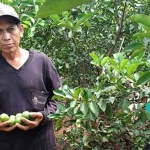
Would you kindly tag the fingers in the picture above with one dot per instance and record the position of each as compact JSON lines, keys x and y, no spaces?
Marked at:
{"x":5,"y":126}
{"x":38,"y":115}
{"x":28,"y":124}
{"x":23,"y":127}
{"x":32,"y":124}
{"x":10,"y":128}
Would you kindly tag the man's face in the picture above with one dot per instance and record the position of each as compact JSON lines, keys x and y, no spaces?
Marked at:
{"x":10,"y":34}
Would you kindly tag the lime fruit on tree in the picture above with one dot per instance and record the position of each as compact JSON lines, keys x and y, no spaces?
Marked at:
{"x":4,"y":117}
{"x":11,"y":120}
{"x":26,"y":114}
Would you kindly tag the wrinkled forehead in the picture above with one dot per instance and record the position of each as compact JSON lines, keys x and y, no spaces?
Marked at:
{"x":8,"y":19}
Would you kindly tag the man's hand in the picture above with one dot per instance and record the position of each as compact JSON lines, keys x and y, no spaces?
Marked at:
{"x":31,"y":124}
{"x":4,"y":126}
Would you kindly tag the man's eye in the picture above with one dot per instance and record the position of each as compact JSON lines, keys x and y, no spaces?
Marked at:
{"x":1,"y":32}
{"x":11,"y":29}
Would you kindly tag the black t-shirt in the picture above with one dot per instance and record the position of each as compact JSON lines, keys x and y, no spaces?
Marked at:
{"x":28,"y":88}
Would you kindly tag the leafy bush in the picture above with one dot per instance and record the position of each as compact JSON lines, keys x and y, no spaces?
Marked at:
{"x":114,"y":108}
{"x":111,"y":115}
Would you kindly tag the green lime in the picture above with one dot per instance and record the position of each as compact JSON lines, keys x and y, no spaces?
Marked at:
{"x":18,"y":120}
{"x":31,"y":117}
{"x":19,"y":115}
{"x":4,"y":117}
{"x":26,"y":114}
{"x":11,"y":120}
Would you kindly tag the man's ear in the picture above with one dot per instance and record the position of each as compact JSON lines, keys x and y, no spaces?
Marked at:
{"x":21,"y":30}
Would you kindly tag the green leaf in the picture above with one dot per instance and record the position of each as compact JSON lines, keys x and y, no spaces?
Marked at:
{"x":91,"y":116}
{"x":61,"y":107}
{"x":88,"y":127}
{"x":133,"y":46}
{"x":108,"y":110}
{"x":143,"y":116}
{"x":85,"y":141}
{"x":73,"y":104}
{"x":137,"y":52}
{"x":77,"y":92}
{"x":146,"y":131}
{"x":113,"y":62}
{"x":78,"y":123}
{"x":59,"y":93}
{"x":56,"y":18}
{"x":56,"y":6}
{"x":83,"y":19}
{"x":31,"y":32}
{"x":84,"y":108}
{"x":112,"y":99}
{"x":76,"y":109}
{"x":94,"y":108}
{"x":141,"y":35}
{"x":118,"y":57}
{"x":124,"y":104}
{"x":102,"y":104}
{"x":123,"y":63}
{"x":104,"y":61}
{"x":144,"y":78}
{"x":141,"y":18}
{"x":59,"y":123}
{"x":84,"y":94}
{"x":131,"y":68}
{"x":96,"y":59}
{"x":121,"y":115}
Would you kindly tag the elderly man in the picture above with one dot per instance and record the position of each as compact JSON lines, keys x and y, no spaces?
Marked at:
{"x":27,"y":81}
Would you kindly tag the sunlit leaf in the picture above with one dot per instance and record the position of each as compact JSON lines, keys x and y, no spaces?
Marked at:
{"x":96,"y":59}
{"x":102,"y":104}
{"x":84,"y":108}
{"x":123,"y":63}
{"x":141,"y":18}
{"x":59,"y":93}
{"x":56,"y":6}
{"x":94,"y":108}
{"x":73,"y":104}
{"x":144,"y":78}
{"x":104,"y":61}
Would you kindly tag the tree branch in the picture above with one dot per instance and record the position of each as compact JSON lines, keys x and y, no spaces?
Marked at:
{"x":119,"y":32}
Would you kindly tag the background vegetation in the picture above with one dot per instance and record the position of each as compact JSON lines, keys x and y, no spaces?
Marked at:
{"x":101,"y":51}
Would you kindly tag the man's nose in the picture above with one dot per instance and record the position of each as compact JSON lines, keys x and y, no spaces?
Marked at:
{"x":6,"y":36}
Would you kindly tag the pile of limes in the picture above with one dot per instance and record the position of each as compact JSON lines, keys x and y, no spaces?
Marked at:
{"x":13,"y":119}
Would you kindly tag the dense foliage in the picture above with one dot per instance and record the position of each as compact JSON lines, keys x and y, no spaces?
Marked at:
{"x":101,"y":51}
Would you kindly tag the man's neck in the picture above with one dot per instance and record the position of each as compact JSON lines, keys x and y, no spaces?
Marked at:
{"x":13,"y":55}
